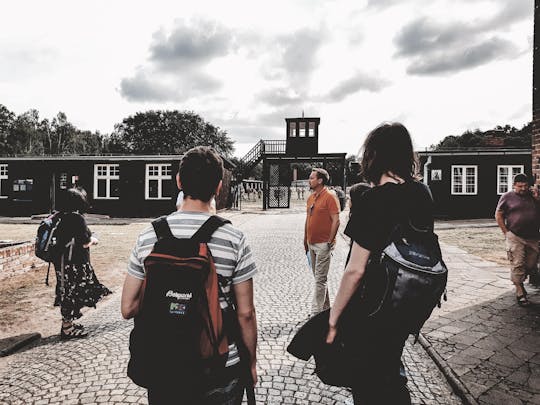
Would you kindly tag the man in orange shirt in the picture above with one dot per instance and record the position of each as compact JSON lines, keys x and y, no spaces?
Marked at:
{"x":322,"y":223}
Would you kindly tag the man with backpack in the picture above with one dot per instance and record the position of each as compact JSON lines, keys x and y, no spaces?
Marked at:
{"x":190,"y":288}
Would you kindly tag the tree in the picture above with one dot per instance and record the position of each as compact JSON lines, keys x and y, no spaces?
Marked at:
{"x":507,"y":136}
{"x":6,"y":125}
{"x":167,"y":132}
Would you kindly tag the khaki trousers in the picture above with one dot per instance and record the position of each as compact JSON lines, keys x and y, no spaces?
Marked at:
{"x":320,"y":264}
{"x":523,"y":256}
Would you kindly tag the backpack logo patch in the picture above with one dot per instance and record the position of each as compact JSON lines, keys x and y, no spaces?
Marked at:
{"x":179,"y":295}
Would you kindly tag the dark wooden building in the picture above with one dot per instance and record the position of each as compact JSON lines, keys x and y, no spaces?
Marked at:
{"x":468,"y":183}
{"x":119,"y":186}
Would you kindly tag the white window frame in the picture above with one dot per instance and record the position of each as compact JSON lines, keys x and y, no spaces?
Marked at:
{"x":107,"y":177}
{"x":510,"y":175}
{"x":464,"y":180}
{"x":292,"y":130}
{"x":3,"y":176}
{"x":159,"y":177}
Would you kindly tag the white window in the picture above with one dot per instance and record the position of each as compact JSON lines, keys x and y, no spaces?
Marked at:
{"x":311,"y":129}
{"x":292,"y":130}
{"x":158,"y":182}
{"x":3,"y":181}
{"x":505,"y":176}
{"x":464,"y":180}
{"x":302,"y":131}
{"x":107,"y":181}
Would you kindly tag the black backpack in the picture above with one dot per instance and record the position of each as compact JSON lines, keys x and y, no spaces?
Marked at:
{"x":181,"y":334}
{"x":406,"y":281}
{"x":48,"y":246}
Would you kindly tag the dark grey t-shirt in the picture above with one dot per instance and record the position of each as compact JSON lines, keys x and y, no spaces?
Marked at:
{"x":521,"y":214}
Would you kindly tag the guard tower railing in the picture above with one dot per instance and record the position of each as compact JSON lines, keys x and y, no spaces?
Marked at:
{"x":268,"y":147}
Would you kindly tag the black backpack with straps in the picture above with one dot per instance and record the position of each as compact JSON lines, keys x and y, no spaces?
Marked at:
{"x":181,"y":334}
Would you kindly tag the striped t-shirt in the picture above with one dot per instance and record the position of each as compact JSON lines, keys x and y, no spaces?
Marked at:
{"x":228,"y":246}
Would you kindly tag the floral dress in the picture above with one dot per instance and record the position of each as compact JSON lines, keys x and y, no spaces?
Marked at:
{"x":76,"y":283}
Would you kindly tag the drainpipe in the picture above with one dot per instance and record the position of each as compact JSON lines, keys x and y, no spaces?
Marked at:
{"x":426,"y":170}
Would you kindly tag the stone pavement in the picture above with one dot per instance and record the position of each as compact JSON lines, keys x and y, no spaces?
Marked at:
{"x":490,"y":343}
{"x":93,"y":370}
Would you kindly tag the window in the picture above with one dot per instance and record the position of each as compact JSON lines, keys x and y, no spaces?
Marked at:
{"x":159,"y":184}
{"x":3,"y":181}
{"x":292,"y":130}
{"x":464,"y":180}
{"x":107,"y":181}
{"x":505,"y":176}
{"x":63,"y":181}
{"x":22,"y":189}
{"x":311,"y":130}
{"x":302,"y":132}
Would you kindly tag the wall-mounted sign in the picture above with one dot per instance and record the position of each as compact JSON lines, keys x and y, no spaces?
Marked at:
{"x":436,"y":175}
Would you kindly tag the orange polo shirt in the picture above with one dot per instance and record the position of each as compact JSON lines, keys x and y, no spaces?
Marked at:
{"x":320,"y":207}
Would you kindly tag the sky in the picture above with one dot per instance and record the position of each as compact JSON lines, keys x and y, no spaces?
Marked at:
{"x":438,"y":66}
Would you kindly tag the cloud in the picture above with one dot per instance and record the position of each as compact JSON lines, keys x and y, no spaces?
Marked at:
{"x":144,"y":88}
{"x":300,"y":53}
{"x":445,"y":48}
{"x":190,"y":45}
{"x":360,"y":81}
{"x":473,"y":56}
{"x":279,"y":97}
{"x":175,"y":70}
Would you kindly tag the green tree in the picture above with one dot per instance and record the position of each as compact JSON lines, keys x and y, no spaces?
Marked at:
{"x":507,"y":136}
{"x":6,"y":125}
{"x":167,"y":132}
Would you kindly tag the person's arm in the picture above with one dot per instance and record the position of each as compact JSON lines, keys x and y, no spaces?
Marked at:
{"x":247,"y":319}
{"x":131,"y":296}
{"x":349,"y":283}
{"x":333,"y":228}
{"x":499,"y":217}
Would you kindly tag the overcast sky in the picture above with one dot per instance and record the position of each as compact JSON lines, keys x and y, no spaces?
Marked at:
{"x":438,"y":66}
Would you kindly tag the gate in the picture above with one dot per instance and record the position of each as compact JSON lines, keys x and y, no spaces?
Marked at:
{"x":278,"y":183}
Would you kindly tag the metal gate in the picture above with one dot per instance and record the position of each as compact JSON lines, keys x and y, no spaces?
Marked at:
{"x":278,"y":193}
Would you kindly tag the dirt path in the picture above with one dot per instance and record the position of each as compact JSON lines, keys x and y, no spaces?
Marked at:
{"x":26,"y":303}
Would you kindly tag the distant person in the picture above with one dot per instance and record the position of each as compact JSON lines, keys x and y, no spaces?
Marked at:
{"x":375,"y":345}
{"x":341,"y":197}
{"x":322,"y":223}
{"x":518,"y":216}
{"x":76,"y":283}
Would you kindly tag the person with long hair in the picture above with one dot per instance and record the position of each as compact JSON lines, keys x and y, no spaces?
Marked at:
{"x":76,"y":283}
{"x":390,"y":165}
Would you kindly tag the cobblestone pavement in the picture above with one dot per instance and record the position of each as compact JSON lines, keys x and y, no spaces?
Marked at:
{"x":491,"y":343}
{"x":93,"y":370}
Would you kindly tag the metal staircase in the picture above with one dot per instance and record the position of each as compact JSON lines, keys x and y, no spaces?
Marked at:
{"x":261,"y":148}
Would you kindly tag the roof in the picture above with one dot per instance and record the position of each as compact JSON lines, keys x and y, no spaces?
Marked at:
{"x":475,"y":151}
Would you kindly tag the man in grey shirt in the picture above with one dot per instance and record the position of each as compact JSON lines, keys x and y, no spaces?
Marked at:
{"x":518,"y":216}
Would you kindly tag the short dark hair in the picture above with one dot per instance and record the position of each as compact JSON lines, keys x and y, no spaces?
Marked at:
{"x":200,"y":172}
{"x":521,"y":178}
{"x":74,"y":199}
{"x":322,"y":174}
{"x":388,"y":148}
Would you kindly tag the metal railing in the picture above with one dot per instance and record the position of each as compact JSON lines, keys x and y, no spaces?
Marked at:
{"x":263,"y":147}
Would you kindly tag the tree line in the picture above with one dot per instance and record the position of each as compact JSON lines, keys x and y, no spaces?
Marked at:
{"x":149,"y":132}
{"x":507,"y":136}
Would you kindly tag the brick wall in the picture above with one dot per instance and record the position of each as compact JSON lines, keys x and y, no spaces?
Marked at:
{"x":536,"y":96}
{"x":18,"y":259}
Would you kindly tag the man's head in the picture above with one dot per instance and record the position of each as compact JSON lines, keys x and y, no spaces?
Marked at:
{"x":318,"y":178}
{"x":521,"y":184}
{"x":200,"y":173}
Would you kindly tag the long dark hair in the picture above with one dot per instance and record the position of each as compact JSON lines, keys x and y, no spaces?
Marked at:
{"x":388,"y":148}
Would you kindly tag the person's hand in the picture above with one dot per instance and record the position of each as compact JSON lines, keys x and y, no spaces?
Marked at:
{"x":94,"y":241}
{"x":332,"y":331}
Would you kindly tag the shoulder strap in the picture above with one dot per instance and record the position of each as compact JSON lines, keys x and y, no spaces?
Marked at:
{"x":161,"y":227}
{"x":207,"y":229}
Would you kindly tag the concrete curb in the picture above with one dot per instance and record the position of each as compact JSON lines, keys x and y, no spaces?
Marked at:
{"x":455,"y":382}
